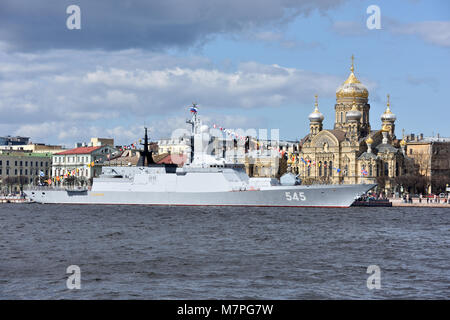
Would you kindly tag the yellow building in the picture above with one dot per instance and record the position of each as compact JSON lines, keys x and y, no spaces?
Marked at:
{"x":431,"y":159}
{"x":98,"y":142}
{"x":351,"y":152}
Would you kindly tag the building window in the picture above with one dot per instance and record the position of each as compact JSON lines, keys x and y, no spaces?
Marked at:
{"x":386,"y":169}
{"x":31,"y":163}
{"x":1,"y":171}
{"x":7,"y":171}
{"x":410,"y":151}
{"x":342,"y":117}
{"x":346,"y":170}
{"x":330,"y":170}
{"x":1,"y":162}
{"x":15,"y":163}
{"x":21,"y":171}
{"x":26,"y":172}
{"x":320,"y":168}
{"x":325,"y":168}
{"x":42,"y":164}
{"x":7,"y":163}
{"x":15,"y":172}
{"x":37,"y":164}
{"x":370,"y":170}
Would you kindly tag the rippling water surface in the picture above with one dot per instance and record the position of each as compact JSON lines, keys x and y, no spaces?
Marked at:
{"x":141,"y":252}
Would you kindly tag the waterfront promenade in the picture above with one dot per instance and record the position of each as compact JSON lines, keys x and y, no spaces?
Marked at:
{"x":416,"y":203}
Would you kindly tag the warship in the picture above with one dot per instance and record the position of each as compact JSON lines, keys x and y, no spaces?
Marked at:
{"x":205,"y":180}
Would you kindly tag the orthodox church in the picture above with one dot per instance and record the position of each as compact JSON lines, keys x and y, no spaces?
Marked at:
{"x":351,"y":152}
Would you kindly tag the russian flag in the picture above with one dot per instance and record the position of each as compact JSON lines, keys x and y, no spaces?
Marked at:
{"x":193,"y":109}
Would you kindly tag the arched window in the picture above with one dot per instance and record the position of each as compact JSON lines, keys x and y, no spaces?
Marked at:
{"x":330,"y":170}
{"x":396,"y":169}
{"x":320,"y":168}
{"x":325,"y":168}
{"x":386,"y":169}
{"x":370,"y":170}
{"x":346,"y":170}
{"x":308,"y":169}
{"x":342,"y":117}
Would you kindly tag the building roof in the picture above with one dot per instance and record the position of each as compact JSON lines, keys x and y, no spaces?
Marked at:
{"x":127,"y":157}
{"x":385,"y":147}
{"x":428,"y":140}
{"x":166,"y":158}
{"x":80,"y":150}
{"x":15,"y":153}
{"x":367,"y":156}
{"x":339,"y":134}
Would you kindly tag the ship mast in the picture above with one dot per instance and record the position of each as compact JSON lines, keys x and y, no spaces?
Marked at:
{"x":194,"y":122}
{"x":145,"y":158}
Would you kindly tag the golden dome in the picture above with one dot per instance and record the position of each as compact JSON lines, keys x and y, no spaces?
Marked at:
{"x":369,"y":140}
{"x":352,"y":87}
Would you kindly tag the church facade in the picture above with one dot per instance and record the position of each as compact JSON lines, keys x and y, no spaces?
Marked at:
{"x":351,"y":152}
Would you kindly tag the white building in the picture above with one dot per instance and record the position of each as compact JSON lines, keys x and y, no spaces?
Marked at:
{"x":175,"y":145}
{"x":82,"y":162}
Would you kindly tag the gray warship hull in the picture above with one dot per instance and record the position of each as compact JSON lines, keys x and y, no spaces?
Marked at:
{"x":280,"y":196}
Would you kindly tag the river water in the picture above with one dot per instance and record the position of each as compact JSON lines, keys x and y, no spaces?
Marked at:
{"x":142,"y":252}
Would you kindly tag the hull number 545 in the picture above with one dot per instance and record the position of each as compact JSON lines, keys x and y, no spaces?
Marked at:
{"x":295,"y":196}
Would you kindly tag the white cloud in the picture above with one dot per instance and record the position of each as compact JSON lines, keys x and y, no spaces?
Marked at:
{"x":112,"y":93}
{"x":434,"y":32}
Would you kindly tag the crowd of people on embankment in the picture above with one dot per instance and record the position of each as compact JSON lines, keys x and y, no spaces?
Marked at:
{"x":422,"y":200}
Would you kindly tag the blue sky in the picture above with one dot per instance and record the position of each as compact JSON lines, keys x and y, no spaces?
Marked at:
{"x":249,"y":64}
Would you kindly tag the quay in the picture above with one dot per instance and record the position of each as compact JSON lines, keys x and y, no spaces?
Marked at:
{"x":16,"y":199}
{"x":416,"y":203}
